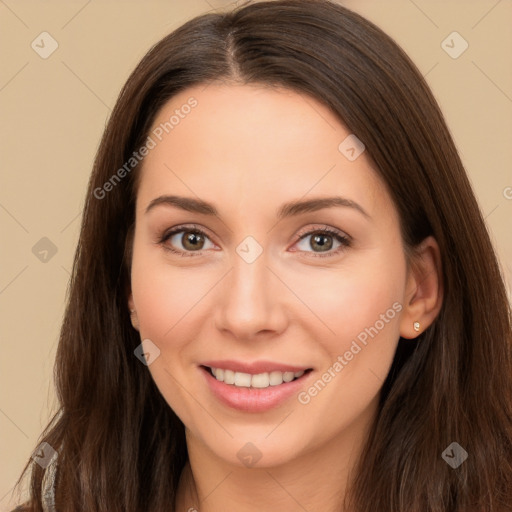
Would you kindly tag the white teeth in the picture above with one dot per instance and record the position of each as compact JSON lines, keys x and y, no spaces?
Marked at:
{"x":288,"y":376}
{"x":261,"y":380}
{"x":275,"y":378}
{"x":242,"y":380}
{"x":229,"y":376}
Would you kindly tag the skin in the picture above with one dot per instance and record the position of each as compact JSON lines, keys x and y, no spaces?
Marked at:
{"x":248,"y":149}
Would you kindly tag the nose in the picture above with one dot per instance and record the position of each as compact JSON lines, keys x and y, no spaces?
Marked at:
{"x":251,"y":301}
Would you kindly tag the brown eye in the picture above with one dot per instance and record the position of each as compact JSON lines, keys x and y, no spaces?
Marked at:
{"x":186,"y":241}
{"x":323,"y":242}
{"x":192,"y":240}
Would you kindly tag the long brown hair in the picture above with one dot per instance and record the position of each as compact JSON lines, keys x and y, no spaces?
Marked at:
{"x":121,"y":447}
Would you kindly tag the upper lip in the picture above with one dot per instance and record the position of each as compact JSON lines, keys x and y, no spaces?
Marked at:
{"x":254,"y":367}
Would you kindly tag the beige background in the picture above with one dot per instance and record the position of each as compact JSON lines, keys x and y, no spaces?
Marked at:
{"x":54,"y":111}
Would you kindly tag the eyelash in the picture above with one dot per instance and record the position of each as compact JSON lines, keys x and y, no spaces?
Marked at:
{"x":344,"y":240}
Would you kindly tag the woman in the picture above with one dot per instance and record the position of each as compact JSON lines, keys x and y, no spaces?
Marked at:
{"x":237,"y":368}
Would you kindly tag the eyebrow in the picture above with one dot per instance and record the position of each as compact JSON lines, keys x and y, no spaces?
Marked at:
{"x":289,"y":209}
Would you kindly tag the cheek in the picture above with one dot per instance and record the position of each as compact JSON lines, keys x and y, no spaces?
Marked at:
{"x":362,"y":311}
{"x":163,"y":293}
{"x":352,"y":301}
{"x":168,"y":300}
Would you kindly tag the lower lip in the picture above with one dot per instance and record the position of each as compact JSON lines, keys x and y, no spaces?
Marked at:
{"x":253,"y":399}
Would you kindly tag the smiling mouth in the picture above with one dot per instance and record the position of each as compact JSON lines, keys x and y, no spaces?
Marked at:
{"x":257,"y":381}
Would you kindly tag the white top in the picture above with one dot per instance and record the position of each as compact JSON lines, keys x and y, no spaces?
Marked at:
{"x":48,"y":485}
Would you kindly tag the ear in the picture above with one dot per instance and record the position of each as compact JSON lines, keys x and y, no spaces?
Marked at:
{"x":424,"y":289}
{"x":133,"y":312}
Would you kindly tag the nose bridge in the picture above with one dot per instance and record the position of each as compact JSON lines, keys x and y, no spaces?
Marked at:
{"x":250,"y":302}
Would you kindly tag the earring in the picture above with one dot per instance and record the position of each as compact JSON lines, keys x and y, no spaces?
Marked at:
{"x":132,"y":310}
{"x":416,"y":326}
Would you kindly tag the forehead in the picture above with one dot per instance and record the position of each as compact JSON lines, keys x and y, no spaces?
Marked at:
{"x":237,"y":142}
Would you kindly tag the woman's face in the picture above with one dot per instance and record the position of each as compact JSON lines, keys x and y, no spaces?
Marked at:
{"x":250,"y":178}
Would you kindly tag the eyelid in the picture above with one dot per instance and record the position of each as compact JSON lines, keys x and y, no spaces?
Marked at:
{"x":320,"y":228}
{"x":185,"y":227}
